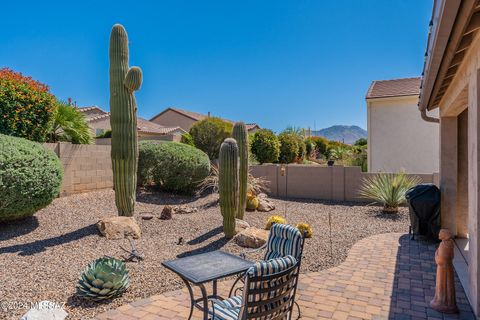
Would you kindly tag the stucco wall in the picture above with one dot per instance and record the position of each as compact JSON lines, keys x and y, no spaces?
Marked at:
{"x":174,"y":119}
{"x":398,"y":139}
{"x":318,"y":182}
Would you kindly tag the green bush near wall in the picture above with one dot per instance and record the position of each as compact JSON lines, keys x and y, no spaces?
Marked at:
{"x":265,"y":146}
{"x":172,"y":166}
{"x":30,"y":177}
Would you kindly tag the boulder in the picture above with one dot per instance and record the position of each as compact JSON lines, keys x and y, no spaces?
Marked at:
{"x":241,"y":225}
{"x":146,"y":216}
{"x":252,"y":237}
{"x":167,"y":213}
{"x":265,"y":204}
{"x":45,"y":310}
{"x":184,"y":209}
{"x":114,"y":228}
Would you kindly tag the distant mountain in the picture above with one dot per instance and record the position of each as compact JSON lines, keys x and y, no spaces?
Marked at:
{"x":346,"y":134}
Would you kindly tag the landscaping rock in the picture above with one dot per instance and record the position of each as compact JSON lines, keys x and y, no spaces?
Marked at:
{"x":167,"y":213}
{"x":45,"y":310}
{"x":252,"y":237}
{"x":184,"y":209}
{"x":114,"y":228}
{"x":265,"y":204}
{"x":146,"y":216}
{"x":241,"y":225}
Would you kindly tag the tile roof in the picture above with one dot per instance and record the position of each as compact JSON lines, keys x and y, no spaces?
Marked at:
{"x":394,"y":88}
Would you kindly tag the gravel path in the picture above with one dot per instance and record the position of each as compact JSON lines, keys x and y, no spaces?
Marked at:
{"x":42,"y":257}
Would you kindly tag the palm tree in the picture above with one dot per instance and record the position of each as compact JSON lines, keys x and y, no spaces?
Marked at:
{"x":70,"y":125}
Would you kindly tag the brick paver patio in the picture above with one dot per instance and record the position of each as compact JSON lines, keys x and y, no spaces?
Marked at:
{"x":385,"y":276}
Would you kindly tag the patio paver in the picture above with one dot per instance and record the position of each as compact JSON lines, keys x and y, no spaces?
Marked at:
{"x":385,"y":276}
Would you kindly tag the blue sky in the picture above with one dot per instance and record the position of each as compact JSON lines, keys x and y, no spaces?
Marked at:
{"x":277,"y":63}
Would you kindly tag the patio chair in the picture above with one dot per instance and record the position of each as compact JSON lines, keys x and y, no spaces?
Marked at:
{"x":283,"y":240}
{"x":268,"y":293}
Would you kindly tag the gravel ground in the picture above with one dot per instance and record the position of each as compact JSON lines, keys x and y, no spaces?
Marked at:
{"x":42,"y":257}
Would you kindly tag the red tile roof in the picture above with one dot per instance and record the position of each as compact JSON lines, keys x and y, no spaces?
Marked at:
{"x":394,"y":88}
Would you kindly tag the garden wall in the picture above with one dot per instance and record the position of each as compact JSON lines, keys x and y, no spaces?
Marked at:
{"x":318,"y":182}
{"x":86,"y":167}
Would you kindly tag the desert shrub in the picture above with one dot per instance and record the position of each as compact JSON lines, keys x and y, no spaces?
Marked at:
{"x":173,"y":166}
{"x":187,"y":139}
{"x":387,"y":189}
{"x":26,"y":106}
{"x":274,"y":219}
{"x":265,"y":146}
{"x":30,"y":177}
{"x":360,"y":142}
{"x":289,"y":148}
{"x":209,"y":134}
{"x":106,"y":134}
{"x":309,"y":148}
{"x":320,"y":144}
{"x":70,"y":125}
{"x":359,"y":157}
{"x":305,"y":229}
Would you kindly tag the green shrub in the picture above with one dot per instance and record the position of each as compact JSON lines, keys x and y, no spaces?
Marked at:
{"x":320,"y":144}
{"x":309,"y":147}
{"x":209,"y":134}
{"x":70,"y":125}
{"x":265,"y":146}
{"x":360,"y":142}
{"x":187,"y":139}
{"x":173,"y":166}
{"x":289,"y":148}
{"x":30,"y":177}
{"x":387,"y":189}
{"x":106,"y":134}
{"x":26,"y":107}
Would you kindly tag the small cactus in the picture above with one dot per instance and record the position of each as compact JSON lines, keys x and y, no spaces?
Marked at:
{"x":252,"y":203}
{"x":228,"y":184}
{"x":305,"y":229}
{"x":274,"y":219}
{"x":123,"y":120}
{"x":240,"y":135}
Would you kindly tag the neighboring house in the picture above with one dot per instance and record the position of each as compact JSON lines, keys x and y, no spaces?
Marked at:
{"x":99,"y":122}
{"x":397,"y":138}
{"x":451,"y":87}
{"x":186,"y":119}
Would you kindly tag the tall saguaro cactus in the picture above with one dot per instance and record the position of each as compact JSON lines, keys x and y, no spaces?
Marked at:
{"x":123,"y":120}
{"x":228,"y":184}
{"x":240,"y":135}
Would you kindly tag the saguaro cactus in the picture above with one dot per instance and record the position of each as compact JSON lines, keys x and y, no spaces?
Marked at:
{"x":240,"y":135}
{"x":228,"y":184}
{"x":123,"y":120}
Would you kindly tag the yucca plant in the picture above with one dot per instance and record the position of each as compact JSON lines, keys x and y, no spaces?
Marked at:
{"x":387,"y":189}
{"x":102,"y":279}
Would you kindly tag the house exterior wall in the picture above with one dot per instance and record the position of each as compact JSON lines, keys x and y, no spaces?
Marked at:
{"x":102,"y":124}
{"x":398,"y":139}
{"x":174,"y":119}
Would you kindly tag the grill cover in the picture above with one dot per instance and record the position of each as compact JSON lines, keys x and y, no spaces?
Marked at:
{"x":424,"y":204}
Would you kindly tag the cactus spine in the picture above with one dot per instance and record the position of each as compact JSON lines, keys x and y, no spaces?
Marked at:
{"x":228,"y":184}
{"x":123,"y":120}
{"x":240,"y":135}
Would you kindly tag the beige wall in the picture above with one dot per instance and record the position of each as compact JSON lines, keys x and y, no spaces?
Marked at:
{"x":86,"y":167}
{"x":103,"y":124}
{"x":317,"y":182}
{"x":174,"y":119}
{"x":398,"y":139}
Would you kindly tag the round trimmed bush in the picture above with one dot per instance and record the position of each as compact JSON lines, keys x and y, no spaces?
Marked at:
{"x":26,"y":106}
{"x":173,"y":166}
{"x":208,"y":135}
{"x":289,"y":148}
{"x":265,"y":146}
{"x":30,"y":177}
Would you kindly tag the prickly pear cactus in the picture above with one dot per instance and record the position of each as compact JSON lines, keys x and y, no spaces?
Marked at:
{"x":123,"y":120}
{"x":228,"y":184}
{"x":240,"y":135}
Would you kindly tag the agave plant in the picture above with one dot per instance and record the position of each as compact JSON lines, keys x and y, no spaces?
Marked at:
{"x":104,"y":278}
{"x":388,"y":189}
{"x":255,"y":185}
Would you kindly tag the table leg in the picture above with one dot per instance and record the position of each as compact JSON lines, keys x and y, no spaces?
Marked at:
{"x":205,"y":301}
{"x":192,"y":299}
{"x":214,"y":288}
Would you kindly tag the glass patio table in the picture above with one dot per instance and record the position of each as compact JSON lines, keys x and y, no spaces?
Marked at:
{"x":203,"y":268}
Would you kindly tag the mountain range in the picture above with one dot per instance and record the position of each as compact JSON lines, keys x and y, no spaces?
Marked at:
{"x":345,"y":134}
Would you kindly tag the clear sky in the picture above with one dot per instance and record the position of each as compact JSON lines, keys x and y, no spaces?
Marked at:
{"x":277,"y":63}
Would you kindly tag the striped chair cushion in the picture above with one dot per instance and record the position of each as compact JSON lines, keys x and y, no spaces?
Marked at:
{"x":283,"y":240}
{"x":227,"y":309}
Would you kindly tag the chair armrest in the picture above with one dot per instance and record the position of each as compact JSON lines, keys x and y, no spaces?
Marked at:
{"x":244,"y":254}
